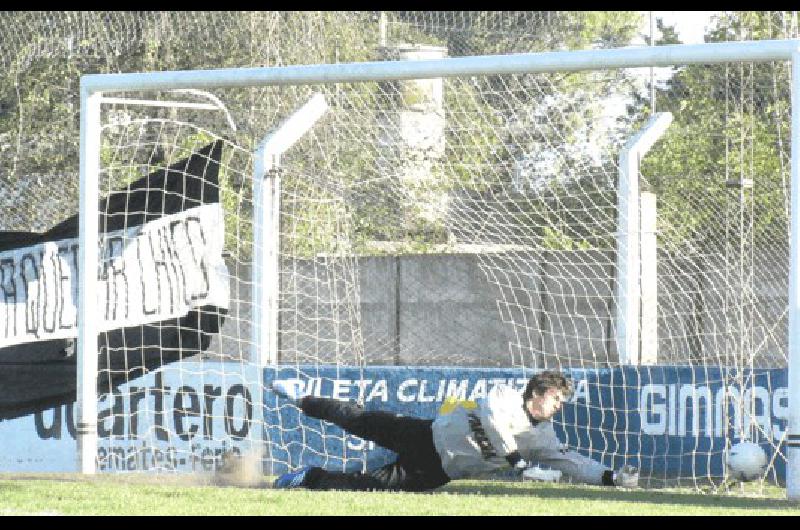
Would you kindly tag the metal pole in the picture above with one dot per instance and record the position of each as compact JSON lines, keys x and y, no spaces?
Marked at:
{"x":382,"y":29}
{"x":264,"y":238}
{"x":793,"y":432}
{"x":266,"y":226}
{"x":628,"y":259}
{"x":87,"y":283}
{"x":652,"y":70}
{"x":628,"y":229}
{"x":568,"y":61}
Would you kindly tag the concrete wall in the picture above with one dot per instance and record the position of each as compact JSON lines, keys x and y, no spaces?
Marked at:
{"x":505,"y":309}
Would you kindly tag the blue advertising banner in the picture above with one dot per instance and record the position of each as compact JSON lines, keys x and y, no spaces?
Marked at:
{"x":670,"y":421}
{"x":182,"y":417}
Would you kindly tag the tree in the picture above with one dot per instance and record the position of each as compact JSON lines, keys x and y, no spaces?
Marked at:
{"x":493,"y":122}
{"x":39,"y":101}
{"x":730,"y":124}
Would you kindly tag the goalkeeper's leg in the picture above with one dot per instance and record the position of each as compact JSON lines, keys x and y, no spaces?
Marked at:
{"x":391,"y":477}
{"x":418,"y":466}
{"x":401,"y":434}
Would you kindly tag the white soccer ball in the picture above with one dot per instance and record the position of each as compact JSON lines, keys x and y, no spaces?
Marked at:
{"x":746,"y":461}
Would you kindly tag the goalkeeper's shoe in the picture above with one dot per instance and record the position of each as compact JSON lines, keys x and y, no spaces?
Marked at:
{"x":295,"y":479}
{"x":288,"y":389}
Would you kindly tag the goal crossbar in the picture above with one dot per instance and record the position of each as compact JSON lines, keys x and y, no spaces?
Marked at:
{"x":566,"y":61}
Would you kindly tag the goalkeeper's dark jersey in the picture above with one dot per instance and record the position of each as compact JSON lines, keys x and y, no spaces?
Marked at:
{"x":474,"y":437}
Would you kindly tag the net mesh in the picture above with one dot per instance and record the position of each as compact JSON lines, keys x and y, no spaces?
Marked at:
{"x":466,"y":222}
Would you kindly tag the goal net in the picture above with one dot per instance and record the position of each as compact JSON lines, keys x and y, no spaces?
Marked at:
{"x":516,"y":197}
{"x":429,"y":238}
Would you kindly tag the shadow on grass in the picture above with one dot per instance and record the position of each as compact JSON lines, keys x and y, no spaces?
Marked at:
{"x":587,"y":493}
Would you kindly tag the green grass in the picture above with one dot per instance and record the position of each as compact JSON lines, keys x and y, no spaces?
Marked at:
{"x":139,"y":495}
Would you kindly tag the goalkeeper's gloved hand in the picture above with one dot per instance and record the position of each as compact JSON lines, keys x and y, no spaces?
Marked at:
{"x":518,"y":464}
{"x":626,"y":477}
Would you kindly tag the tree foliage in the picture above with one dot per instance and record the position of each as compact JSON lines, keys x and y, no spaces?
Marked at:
{"x":535,"y":142}
{"x":730,"y":126}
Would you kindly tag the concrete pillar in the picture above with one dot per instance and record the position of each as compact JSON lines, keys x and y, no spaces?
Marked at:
{"x":412,"y":139}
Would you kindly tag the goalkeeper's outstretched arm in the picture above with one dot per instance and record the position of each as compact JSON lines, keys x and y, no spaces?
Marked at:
{"x":583,"y":469}
{"x":576,"y":466}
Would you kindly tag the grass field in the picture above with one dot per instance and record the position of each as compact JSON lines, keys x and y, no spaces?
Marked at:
{"x":170,"y":495}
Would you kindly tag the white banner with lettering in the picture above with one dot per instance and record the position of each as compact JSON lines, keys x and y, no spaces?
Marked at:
{"x":148,"y":273}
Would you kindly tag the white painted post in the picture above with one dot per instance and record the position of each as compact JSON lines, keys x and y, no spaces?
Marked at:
{"x":266,"y":243}
{"x":266,"y":226}
{"x":649,"y":279}
{"x":86,"y":424}
{"x":628,"y":271}
{"x":628,"y":259}
{"x":793,"y":429}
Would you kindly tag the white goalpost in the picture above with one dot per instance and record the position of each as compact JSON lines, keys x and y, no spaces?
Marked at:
{"x":88,"y":432}
{"x":555,"y":251}
{"x":793,"y":437}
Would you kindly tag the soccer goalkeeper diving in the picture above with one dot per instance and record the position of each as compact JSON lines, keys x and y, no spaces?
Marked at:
{"x":466,"y":439}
